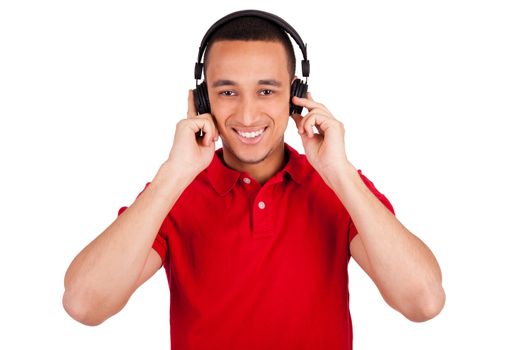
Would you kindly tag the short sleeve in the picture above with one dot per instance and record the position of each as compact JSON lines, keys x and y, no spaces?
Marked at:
{"x":160,"y":243}
{"x":352,"y":229}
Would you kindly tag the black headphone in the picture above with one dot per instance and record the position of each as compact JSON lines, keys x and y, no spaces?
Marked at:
{"x":298,"y":88}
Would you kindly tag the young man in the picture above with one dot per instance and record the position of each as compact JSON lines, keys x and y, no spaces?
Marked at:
{"x":255,"y":238}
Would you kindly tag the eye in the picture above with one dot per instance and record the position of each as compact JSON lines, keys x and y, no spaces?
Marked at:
{"x":266,"y":92}
{"x":227,"y":93}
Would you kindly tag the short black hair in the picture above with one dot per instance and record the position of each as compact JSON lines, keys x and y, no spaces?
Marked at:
{"x":251,"y":28}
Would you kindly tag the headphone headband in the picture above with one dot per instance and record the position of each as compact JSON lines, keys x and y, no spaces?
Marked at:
{"x":305,"y":64}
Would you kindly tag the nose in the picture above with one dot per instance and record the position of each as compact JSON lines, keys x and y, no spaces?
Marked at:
{"x":248,"y":111}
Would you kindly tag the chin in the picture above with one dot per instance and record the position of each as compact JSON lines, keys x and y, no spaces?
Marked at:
{"x":245,"y":153}
{"x":250,"y":155}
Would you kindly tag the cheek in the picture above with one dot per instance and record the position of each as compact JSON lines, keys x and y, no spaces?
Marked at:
{"x":220,"y":108}
{"x":281,"y":113}
{"x":283,"y":124}
{"x":219,"y":123}
{"x":220,"y":112}
{"x":281,"y":120}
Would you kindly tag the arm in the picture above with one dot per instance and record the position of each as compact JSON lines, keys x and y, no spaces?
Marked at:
{"x":403,"y":268}
{"x":104,"y":275}
{"x":400,"y":264}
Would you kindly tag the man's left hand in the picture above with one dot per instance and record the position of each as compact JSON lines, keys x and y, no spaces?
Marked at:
{"x":324,"y":150}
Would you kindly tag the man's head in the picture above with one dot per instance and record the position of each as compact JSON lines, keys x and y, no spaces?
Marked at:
{"x":251,"y":28}
{"x":249,"y":66}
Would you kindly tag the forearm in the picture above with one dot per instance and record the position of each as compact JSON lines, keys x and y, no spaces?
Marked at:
{"x":402,"y":266}
{"x":103,"y":275}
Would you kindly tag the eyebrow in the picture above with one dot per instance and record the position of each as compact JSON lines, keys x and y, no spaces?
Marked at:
{"x":272,"y":82}
{"x":226,"y":82}
{"x":223,"y":82}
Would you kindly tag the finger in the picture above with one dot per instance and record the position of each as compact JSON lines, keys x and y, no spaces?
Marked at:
{"x":209,"y":117}
{"x":308,"y":103}
{"x":320,"y":121}
{"x":314,"y":111}
{"x":297,"y":118}
{"x":198,"y":124}
{"x":307,"y":123}
{"x":209,"y":135}
{"x":192,"y":112}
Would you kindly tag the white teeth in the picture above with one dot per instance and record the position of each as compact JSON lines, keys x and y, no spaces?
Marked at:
{"x":250,"y":135}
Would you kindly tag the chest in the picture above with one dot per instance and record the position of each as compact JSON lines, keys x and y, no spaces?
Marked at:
{"x":273,"y":227}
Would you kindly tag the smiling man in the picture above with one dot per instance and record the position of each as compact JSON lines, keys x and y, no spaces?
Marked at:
{"x":249,"y":94}
{"x":255,"y":238}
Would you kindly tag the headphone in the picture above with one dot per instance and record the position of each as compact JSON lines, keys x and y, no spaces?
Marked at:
{"x":298,"y":88}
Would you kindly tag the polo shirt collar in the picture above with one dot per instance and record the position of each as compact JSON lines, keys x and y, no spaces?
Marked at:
{"x":220,"y":176}
{"x":295,"y":167}
{"x":223,"y":178}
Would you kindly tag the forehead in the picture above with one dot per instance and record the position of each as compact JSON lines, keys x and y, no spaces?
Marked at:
{"x":248,"y":59}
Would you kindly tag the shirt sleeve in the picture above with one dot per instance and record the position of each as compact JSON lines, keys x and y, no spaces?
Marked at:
{"x":352,"y":229}
{"x":160,"y":244}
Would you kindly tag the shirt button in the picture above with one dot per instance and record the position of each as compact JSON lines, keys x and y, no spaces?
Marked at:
{"x":261,"y":205}
{"x":246,"y":180}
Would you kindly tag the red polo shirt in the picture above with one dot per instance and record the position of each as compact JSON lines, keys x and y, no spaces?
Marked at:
{"x":259,"y":267}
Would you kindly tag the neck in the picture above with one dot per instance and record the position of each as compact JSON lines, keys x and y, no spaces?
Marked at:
{"x":262,"y":170}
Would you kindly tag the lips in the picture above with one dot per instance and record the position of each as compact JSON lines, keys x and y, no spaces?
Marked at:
{"x":251,"y":136}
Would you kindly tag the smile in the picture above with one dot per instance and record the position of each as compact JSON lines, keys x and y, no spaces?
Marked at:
{"x":251,"y":137}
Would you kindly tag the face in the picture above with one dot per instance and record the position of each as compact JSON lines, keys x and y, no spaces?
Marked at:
{"x":249,"y":90}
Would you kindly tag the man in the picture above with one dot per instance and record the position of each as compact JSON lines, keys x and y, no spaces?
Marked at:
{"x":255,"y":238}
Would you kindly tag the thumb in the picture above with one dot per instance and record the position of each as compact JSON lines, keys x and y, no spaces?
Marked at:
{"x":192,"y":112}
{"x":309,"y":96}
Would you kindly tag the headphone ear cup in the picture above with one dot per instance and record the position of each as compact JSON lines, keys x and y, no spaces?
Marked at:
{"x":200,"y":98}
{"x":299,"y":89}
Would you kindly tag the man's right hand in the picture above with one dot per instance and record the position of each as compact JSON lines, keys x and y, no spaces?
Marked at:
{"x":191,"y":153}
{"x":101,"y":279}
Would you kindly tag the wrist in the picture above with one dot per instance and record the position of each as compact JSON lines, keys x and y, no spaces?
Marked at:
{"x":171,"y":180}
{"x":337,"y":175}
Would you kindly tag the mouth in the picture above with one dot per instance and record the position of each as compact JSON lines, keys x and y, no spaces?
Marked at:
{"x":251,"y":137}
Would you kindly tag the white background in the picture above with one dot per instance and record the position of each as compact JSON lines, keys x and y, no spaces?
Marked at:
{"x":431,"y":94}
